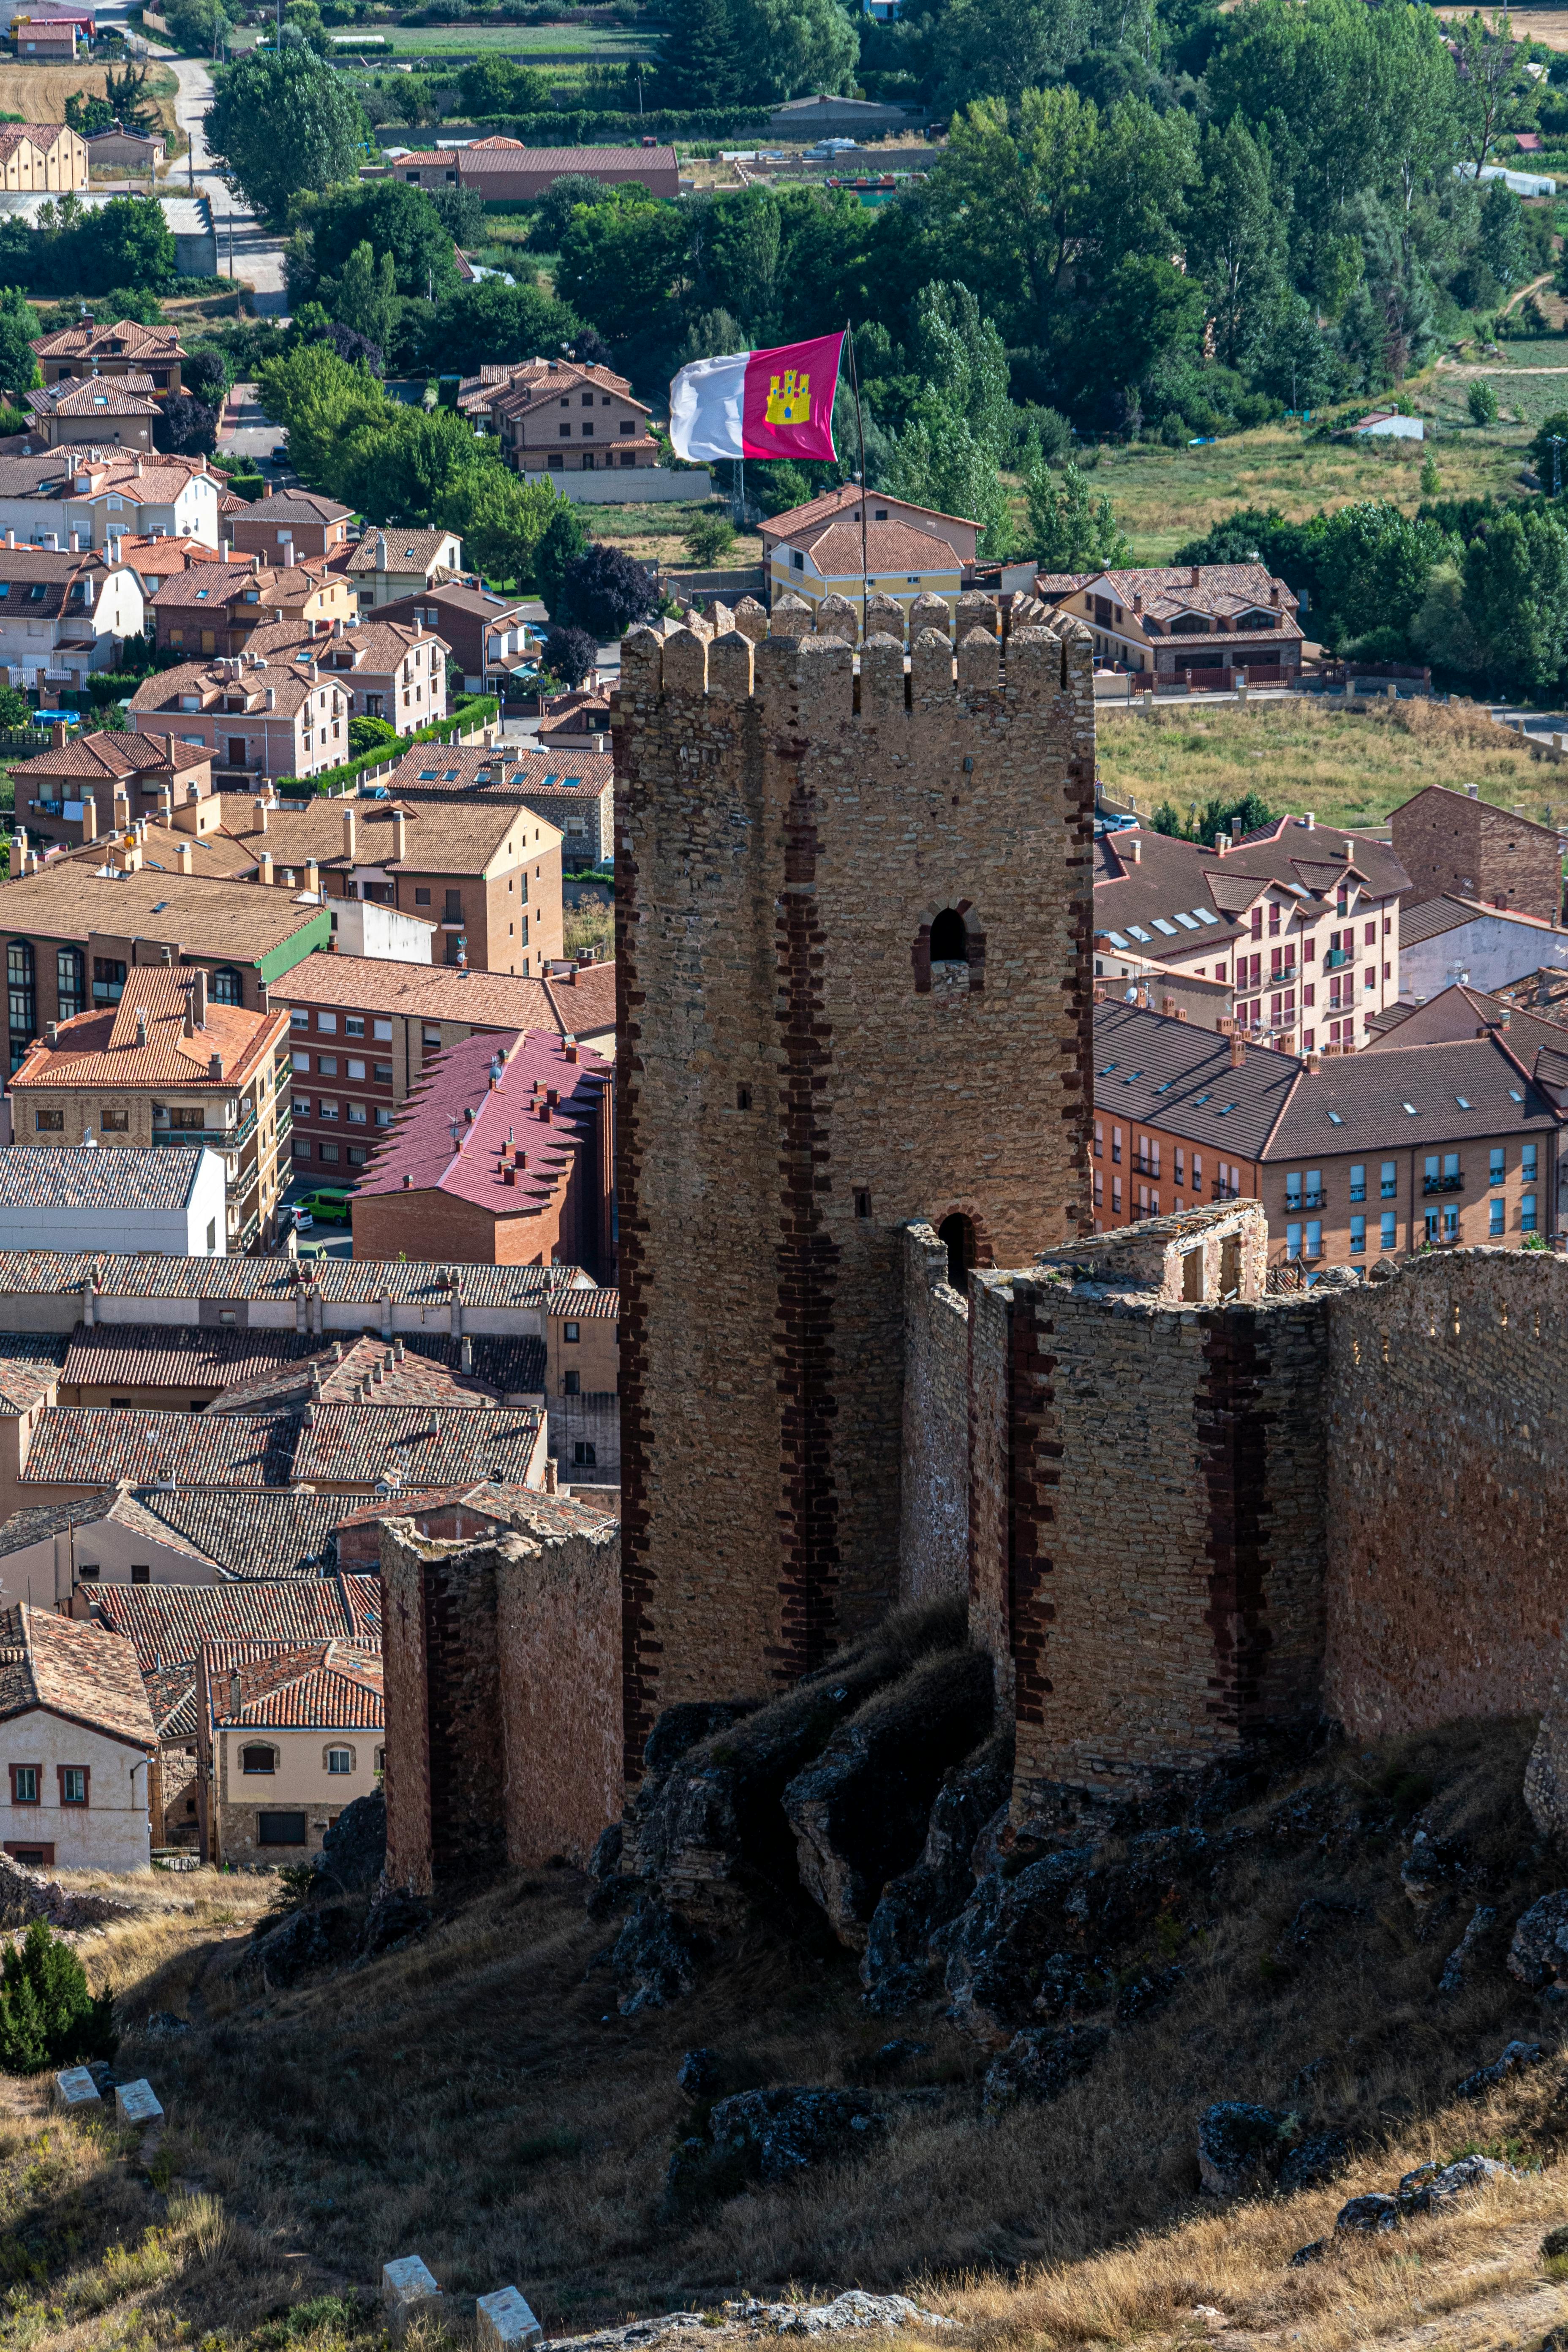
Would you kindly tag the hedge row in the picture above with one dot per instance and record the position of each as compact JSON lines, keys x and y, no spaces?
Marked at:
{"x":581,"y":127}
{"x":475,"y":710}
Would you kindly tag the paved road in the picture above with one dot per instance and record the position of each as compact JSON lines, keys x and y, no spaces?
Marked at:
{"x":245,"y":431}
{"x":258,"y":256}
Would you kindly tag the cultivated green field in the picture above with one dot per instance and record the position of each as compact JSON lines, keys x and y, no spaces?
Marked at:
{"x":599,"y":44}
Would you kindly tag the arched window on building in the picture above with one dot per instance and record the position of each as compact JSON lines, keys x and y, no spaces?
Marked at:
{"x":950,"y":938}
{"x":956,"y":1234}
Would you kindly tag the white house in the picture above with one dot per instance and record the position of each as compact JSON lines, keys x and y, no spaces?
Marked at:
{"x":78,"y":1744}
{"x":105,"y":495}
{"x":135,"y":1197}
{"x":1442,"y":940}
{"x":64,"y":612}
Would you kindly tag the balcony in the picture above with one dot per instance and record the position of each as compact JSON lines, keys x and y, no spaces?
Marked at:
{"x":1335,"y":959}
{"x":1442,"y":1185}
{"x":1221,"y":1191}
{"x":1295,"y":1201}
{"x":217,"y":1139}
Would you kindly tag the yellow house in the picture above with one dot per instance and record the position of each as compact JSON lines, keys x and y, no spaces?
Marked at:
{"x":41,"y":154}
{"x":825,"y":560}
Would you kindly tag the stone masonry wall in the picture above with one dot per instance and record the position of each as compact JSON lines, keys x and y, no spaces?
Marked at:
{"x":1447,"y":842}
{"x":794,"y":1083}
{"x":560,"y":1651}
{"x":1446,"y":1480}
{"x":445,"y":1802}
{"x":407,"y":1779}
{"x":933,"y":1493}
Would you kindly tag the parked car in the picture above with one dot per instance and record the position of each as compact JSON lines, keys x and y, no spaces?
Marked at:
{"x":279,"y":450}
{"x":327,"y":1207}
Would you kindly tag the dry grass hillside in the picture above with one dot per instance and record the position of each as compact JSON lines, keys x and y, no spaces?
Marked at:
{"x":38,"y":93}
{"x":1347,"y":767}
{"x":475,"y":2097}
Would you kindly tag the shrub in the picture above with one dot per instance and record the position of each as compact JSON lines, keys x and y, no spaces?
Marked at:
{"x":48,"y":2016}
{"x":607,"y":591}
{"x":569,"y":654}
{"x":710,"y":540}
{"x":1482,"y":401}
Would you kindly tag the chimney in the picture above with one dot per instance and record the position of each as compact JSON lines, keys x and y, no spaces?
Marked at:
{"x":465,"y":1354}
{"x":1168,"y":1007}
{"x":265,"y":875}
{"x":1138,"y":600}
{"x":312,"y":876}
{"x":550,"y":1478}
{"x":1274,"y":593}
{"x":76,"y":542}
{"x":350,"y":850}
{"x":51,"y":1031}
{"x":399,"y":835}
{"x":234,"y":1698}
{"x":58,"y":731}
{"x":1236,"y":831}
{"x":1194,"y":578}
{"x":1309,"y":819}
{"x":260,"y":824}
{"x":199,"y":999}
{"x":141,"y":1026}
{"x":186,"y":857}
{"x":1237,"y":1050}
{"x":1134,"y":847}
{"x":215,"y":1068}
{"x":1312,"y":1063}
{"x":1221,"y":843}
{"x":88,"y":817}
{"x":271,"y":698}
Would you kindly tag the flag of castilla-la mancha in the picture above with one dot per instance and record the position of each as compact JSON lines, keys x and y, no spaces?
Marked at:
{"x":775,"y":404}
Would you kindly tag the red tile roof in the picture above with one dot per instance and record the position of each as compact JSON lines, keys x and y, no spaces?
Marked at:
{"x":75,"y":1670}
{"x":345,"y":1444}
{"x":324,"y":1686}
{"x":107,"y":1048}
{"x":167,"y":1624}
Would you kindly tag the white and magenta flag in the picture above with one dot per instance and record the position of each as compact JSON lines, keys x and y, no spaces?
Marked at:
{"x":775,"y":404}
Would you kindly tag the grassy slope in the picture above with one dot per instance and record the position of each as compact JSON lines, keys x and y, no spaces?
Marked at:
{"x":1348,"y":767}
{"x":475,"y":2098}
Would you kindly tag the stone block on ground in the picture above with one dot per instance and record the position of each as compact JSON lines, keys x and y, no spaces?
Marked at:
{"x":505,"y":2323}
{"x":1486,"y":2078}
{"x":407,"y":2288}
{"x":1375,"y":2213}
{"x":137,"y":2102}
{"x":74,"y":2087}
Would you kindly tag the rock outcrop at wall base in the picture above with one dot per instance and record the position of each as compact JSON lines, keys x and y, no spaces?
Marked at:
{"x":899,"y":1963}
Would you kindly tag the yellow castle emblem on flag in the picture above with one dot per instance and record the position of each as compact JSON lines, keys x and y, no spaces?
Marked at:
{"x":789,"y":403}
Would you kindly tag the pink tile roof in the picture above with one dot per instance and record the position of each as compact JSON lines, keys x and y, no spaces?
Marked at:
{"x":459,"y":1133}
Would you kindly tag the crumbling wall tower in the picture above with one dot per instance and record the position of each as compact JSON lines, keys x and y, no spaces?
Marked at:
{"x":853,"y":925}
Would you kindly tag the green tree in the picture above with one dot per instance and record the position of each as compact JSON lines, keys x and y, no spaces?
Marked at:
{"x":560,"y":545}
{"x":363,"y":295}
{"x":619,"y":267}
{"x":1235,"y":242}
{"x":48,"y":2016}
{"x":788,"y":46}
{"x":1217,"y":816}
{"x":386,"y":215}
{"x":698,"y":64}
{"x":127,"y":242}
{"x":1516,"y":591}
{"x":19,"y":370}
{"x":1549,"y":451}
{"x":1442,"y":631}
{"x":85,"y":114}
{"x":499,"y":85}
{"x":325,"y":405}
{"x":981,"y":51}
{"x":408,"y":466}
{"x":304,"y":27}
{"x":740,"y":241}
{"x":369,"y":734}
{"x":1501,"y":241}
{"x":199,"y":28}
{"x":489,"y":324}
{"x":1481,"y":401}
{"x":1375,"y":564}
{"x":949,"y":451}
{"x":556,"y":207}
{"x":502,"y":520}
{"x":1495,"y":96}
{"x":709,"y":541}
{"x":283,"y":122}
{"x":1069,"y":528}
{"x":126,"y":94}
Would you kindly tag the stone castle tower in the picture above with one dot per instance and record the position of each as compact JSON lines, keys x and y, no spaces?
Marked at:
{"x":853,"y":925}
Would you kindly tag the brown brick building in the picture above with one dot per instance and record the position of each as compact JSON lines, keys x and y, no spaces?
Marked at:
{"x":1451,"y":844}
{"x":846,"y":924}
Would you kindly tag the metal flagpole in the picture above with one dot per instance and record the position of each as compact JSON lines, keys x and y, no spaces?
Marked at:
{"x":860,"y":429}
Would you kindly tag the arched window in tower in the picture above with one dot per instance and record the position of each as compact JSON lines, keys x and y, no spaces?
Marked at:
{"x":956,"y":1234}
{"x":949,"y":937}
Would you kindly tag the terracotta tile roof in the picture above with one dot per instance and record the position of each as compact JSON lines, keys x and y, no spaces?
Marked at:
{"x":42,"y":135}
{"x":168,"y":1623}
{"x":135,"y":340}
{"x":1221,"y":590}
{"x":290,"y":659}
{"x":68,"y":899}
{"x":1159,"y":899}
{"x":219,"y":585}
{"x":241,"y":1532}
{"x":187,"y":1360}
{"x":470,"y":840}
{"x":75,"y":1670}
{"x":369,"y":1371}
{"x":214,"y":858}
{"x":171,"y":1697}
{"x":1464,"y":1089}
{"x":451,"y":1131}
{"x":157,"y":559}
{"x":107,"y":755}
{"x":443,"y":771}
{"x":891,"y":548}
{"x":101,"y":395}
{"x":346,"y":1445}
{"x":829,"y":505}
{"x":494,"y":1000}
{"x":1287,"y":851}
{"x":522,"y":1507}
{"x":141,"y":1042}
{"x":297,"y":505}
{"x":405,"y":551}
{"x":588,"y":1305}
{"x":326,"y":1686}
{"x":97,"y":1176}
{"x":41,"y":583}
{"x":277,"y":1281}
{"x":79,"y":470}
{"x":29,"y":1367}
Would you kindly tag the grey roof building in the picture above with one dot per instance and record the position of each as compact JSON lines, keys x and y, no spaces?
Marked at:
{"x":164,"y":1198}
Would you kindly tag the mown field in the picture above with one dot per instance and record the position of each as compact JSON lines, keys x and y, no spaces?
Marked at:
{"x":38,"y":93}
{"x":1348,"y":767}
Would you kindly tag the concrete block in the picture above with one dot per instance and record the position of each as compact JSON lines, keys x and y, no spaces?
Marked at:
{"x":505,"y":2321}
{"x":137,"y":2102}
{"x":407,"y":2288}
{"x":76,"y":2088}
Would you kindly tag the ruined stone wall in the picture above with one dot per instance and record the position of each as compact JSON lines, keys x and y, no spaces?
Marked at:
{"x":407,"y":1779}
{"x":1147,"y":1537}
{"x":1447,"y":1478}
{"x":934,"y":1497}
{"x":559,"y":1635}
{"x":445,"y":1806}
{"x":794,"y":1083}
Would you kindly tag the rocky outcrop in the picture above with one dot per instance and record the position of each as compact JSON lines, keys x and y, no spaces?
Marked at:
{"x":1313,"y":2161}
{"x":1239,"y":2147}
{"x":1538,"y":1957}
{"x":354,"y":1850}
{"x":1486,"y":2078}
{"x":708,"y":1829}
{"x":654,"y":1958}
{"x":1431,"y":2186}
{"x":1373,"y":2214}
{"x":899,"y":1960}
{"x":776,"y":2135}
{"x":283,"y":1952}
{"x":1038,"y":2065}
{"x":25,"y":1897}
{"x":861,"y":1812}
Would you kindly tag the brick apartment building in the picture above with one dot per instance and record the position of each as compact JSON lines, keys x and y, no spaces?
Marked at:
{"x":364,"y":1030}
{"x":218,"y":608}
{"x":556,"y":417}
{"x":485,"y":631}
{"x":487,"y":878}
{"x":502,"y":1155}
{"x":386,"y":566}
{"x":1353,"y":1157}
{"x":163,"y":1063}
{"x":119,"y":410}
{"x":72,"y":933}
{"x":83,"y":787}
{"x":1300,"y":919}
{"x":288,"y":526}
{"x":1452,"y":844}
{"x":574,"y":792}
